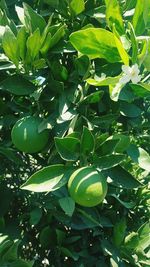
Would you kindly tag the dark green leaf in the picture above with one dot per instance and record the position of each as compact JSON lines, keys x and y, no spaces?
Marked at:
{"x":140,"y":156}
{"x":109,"y":161}
{"x":68,"y":148}
{"x":119,"y":232}
{"x":121,"y":177}
{"x":87,"y":141}
{"x":130,"y":110}
{"x":17,"y":85}
{"x":68,"y":205}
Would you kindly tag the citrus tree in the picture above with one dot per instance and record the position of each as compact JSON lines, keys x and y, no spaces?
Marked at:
{"x":74,"y":133}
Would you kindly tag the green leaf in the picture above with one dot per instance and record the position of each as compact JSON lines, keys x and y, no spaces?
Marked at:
{"x":32,"y":19}
{"x":47,"y":237}
{"x":12,"y":253}
{"x":121,"y":177}
{"x":87,"y":142}
{"x":123,"y":142}
{"x":21,"y":263}
{"x":132,"y":240}
{"x":57,"y":36}
{"x":109,"y":161}
{"x":130,"y":110}
{"x":17,"y":85}
{"x":68,"y":148}
{"x":21,"y":40}
{"x":107,"y":147}
{"x":119,"y":232}
{"x":68,"y":205}
{"x":92,"y":98}
{"x":114,"y":16}
{"x":47,"y":179}
{"x":10,"y":46}
{"x":141,"y":89}
{"x":77,"y":6}
{"x":122,"y":52}
{"x":141,"y":16}
{"x":103,"y":81}
{"x":127,"y":205}
{"x":95,"y":43}
{"x":144,"y":235}
{"x":134,"y":44}
{"x":140,"y":156}
{"x":33,"y":45}
{"x":69,"y":253}
{"x":35,"y":216}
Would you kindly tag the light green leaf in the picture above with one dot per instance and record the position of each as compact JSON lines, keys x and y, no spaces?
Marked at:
{"x":33,"y":45}
{"x":114,"y":16}
{"x":47,"y":179}
{"x":10,"y":46}
{"x":140,"y":156}
{"x":103,"y":81}
{"x":77,"y":6}
{"x":68,"y":205}
{"x":141,"y":16}
{"x":122,"y":52}
{"x":21,"y":40}
{"x":95,"y":43}
{"x":33,"y":20}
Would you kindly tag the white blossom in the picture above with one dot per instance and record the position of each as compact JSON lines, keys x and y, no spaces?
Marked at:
{"x":130,"y":74}
{"x":45,"y":262}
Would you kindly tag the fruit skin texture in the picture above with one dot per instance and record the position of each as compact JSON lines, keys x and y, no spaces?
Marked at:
{"x":87,"y":186}
{"x":25,"y":135}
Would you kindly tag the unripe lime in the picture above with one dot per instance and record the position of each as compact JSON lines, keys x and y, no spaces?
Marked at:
{"x":25,"y":135}
{"x":87,"y":186}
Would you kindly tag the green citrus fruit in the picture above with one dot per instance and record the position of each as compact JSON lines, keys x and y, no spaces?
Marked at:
{"x":87,"y":186}
{"x":25,"y":135}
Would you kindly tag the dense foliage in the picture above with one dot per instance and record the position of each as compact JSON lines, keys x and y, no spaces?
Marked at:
{"x":74,"y":79}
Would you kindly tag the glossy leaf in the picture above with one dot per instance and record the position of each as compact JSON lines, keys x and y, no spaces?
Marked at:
{"x":77,"y":6}
{"x":114,"y":16}
{"x":140,"y":156}
{"x":68,"y":148}
{"x":119,"y":232}
{"x":95,"y":43}
{"x":109,"y":161}
{"x":10,"y":46}
{"x":123,"y":178}
{"x":47,"y":179}
{"x":32,"y":19}
{"x":68,"y":205}
{"x":33,"y":45}
{"x":141,"y":16}
{"x":87,"y":141}
{"x":17,"y":85}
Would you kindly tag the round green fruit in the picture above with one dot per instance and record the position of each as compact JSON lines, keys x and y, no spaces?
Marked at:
{"x":87,"y":187}
{"x":25,"y":135}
